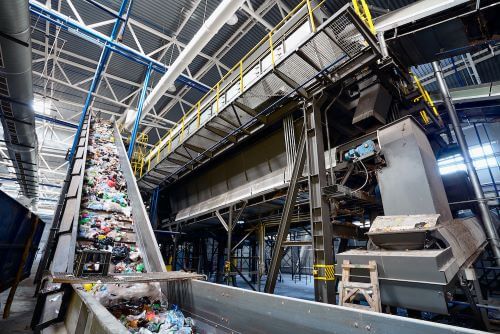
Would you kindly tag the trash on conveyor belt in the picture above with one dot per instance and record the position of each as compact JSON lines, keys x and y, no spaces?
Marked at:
{"x":106,"y":223}
{"x":106,"y":243}
{"x":141,"y":308}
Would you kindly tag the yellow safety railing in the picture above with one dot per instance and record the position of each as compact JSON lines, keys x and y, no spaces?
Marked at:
{"x":139,"y":157}
{"x":361,"y":8}
{"x":212,"y":99}
{"x":424,"y":94}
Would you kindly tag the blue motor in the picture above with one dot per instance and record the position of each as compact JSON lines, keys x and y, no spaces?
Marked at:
{"x":362,"y":150}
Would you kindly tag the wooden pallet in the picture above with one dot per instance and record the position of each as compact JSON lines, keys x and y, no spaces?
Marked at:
{"x":349,"y":290}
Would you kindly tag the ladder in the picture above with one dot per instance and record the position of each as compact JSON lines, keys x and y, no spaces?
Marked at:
{"x":349,"y":290}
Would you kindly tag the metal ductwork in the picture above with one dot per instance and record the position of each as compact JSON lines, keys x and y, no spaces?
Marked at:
{"x":16,"y":93}
{"x":210,"y":28}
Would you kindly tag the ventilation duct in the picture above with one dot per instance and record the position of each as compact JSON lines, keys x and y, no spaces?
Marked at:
{"x":225,"y":10}
{"x":16,"y":93}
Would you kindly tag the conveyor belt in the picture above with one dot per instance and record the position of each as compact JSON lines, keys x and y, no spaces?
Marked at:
{"x":241,"y":105}
{"x":85,"y":219}
{"x":106,"y":229}
{"x":100,"y":212}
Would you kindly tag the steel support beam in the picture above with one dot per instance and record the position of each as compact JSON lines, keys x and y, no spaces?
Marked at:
{"x":153,"y":209}
{"x":489,"y":227}
{"x":229,"y":242}
{"x":97,"y":76}
{"x":140,"y":106}
{"x":324,"y":285}
{"x":96,"y":37}
{"x":286,"y":218}
{"x":56,"y":121}
{"x":250,"y":111}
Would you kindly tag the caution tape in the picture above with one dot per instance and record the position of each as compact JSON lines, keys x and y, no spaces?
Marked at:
{"x":324,"y":272}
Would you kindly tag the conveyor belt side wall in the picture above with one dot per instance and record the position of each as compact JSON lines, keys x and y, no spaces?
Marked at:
{"x":146,"y":238}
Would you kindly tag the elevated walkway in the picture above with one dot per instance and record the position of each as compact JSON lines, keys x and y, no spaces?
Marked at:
{"x":301,"y":55}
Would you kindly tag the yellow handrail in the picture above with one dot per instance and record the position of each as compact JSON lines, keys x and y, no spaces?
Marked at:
{"x":198,"y":117}
{"x":311,"y":16}
{"x":424,"y":116}
{"x":271,"y":48}
{"x":425,"y":95}
{"x":361,"y":8}
{"x":218,"y":90}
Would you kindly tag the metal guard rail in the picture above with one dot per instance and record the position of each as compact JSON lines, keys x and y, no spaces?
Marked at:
{"x":212,"y":99}
{"x":266,"y":57}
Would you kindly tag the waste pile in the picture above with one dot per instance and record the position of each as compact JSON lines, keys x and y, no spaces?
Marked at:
{"x":105,"y":222}
{"x":141,"y":308}
{"x":106,"y":225}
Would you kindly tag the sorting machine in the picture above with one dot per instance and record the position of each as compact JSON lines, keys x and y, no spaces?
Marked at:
{"x":423,"y":253}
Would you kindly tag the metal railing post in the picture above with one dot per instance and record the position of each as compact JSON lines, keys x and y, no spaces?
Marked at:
{"x":489,"y":227}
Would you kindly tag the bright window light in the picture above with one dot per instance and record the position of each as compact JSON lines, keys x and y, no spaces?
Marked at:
{"x":482,"y":158}
{"x":42,"y":106}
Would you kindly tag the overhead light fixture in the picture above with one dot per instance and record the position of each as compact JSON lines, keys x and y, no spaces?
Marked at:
{"x":232,"y":20}
{"x":172,"y":88}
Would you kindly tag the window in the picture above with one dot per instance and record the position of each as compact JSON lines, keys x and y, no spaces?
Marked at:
{"x":482,"y":157}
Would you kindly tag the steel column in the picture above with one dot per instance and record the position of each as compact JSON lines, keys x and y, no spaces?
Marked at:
{"x":261,"y":235}
{"x":321,"y":228}
{"x":286,"y":217}
{"x":383,"y":44}
{"x":489,"y":227}
{"x":153,"y":210}
{"x":140,"y":106}
{"x":97,"y":76}
{"x":229,"y":241}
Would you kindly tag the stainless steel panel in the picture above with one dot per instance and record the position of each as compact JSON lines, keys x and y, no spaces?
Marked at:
{"x":411,"y":183}
{"x":145,"y":235}
{"x":238,"y":310}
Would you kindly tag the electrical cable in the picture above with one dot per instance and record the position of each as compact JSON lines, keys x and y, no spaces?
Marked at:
{"x":366,"y":172}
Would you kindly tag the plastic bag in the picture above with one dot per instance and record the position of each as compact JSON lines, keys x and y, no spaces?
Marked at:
{"x":115,"y":293}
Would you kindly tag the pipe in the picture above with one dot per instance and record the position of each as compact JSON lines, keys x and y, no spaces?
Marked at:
{"x":383,"y":44}
{"x":17,"y":114}
{"x":488,"y":225}
{"x":215,"y":22}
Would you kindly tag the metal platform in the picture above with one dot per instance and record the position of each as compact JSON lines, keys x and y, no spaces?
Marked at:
{"x":289,"y":64}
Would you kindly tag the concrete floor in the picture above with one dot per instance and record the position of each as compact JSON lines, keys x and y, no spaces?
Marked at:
{"x":302,"y":289}
{"x":21,"y":310}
